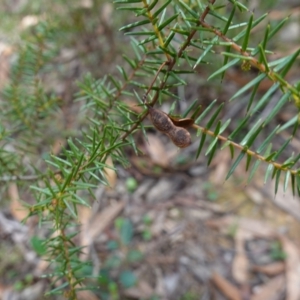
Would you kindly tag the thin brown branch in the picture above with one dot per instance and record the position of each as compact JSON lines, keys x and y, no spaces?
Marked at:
{"x":206,"y":11}
{"x":154,"y":79}
{"x":247,"y":151}
{"x":273,"y":76}
{"x":69,"y":270}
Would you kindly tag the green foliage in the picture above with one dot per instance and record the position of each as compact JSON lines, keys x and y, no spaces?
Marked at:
{"x":38,"y":245}
{"x":125,"y":229}
{"x":276,"y":251}
{"x":212,"y":194}
{"x":131,"y":184}
{"x":128,"y":279}
{"x":147,"y":234}
{"x":169,"y":42}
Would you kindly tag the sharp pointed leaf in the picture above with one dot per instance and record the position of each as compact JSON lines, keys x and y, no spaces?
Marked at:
{"x":235,"y":164}
{"x":203,"y":137}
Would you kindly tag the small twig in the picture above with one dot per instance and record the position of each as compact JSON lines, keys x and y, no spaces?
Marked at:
{"x":247,"y":151}
{"x":253,"y":61}
{"x":154,"y":79}
{"x":206,"y":11}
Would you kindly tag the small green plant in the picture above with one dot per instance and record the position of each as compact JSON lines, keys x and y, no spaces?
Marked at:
{"x":276,"y":251}
{"x":131,"y":184}
{"x":20,"y":285}
{"x":190,"y":296}
{"x":212,"y":194}
{"x":147,"y":235}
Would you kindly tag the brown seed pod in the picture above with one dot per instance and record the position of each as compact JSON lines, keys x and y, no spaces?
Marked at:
{"x":180,"y":137}
{"x":162,"y":122}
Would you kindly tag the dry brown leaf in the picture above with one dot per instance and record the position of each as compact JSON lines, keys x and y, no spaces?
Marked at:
{"x":58,"y":144}
{"x":105,"y":217}
{"x":254,"y":228}
{"x":41,"y":267}
{"x":220,"y":162}
{"x":28,"y":21}
{"x":106,"y":13}
{"x":5,"y":53}
{"x":227,"y":288}
{"x":257,"y":228}
{"x":254,"y":194}
{"x":292,"y":262}
{"x":160,"y":290}
{"x":84,"y":218}
{"x":240,"y":264}
{"x":270,"y":290}
{"x":161,"y":259}
{"x":198,"y":205}
{"x":98,"y":223}
{"x":16,"y":208}
{"x":157,"y":151}
{"x":110,"y":173}
{"x":285,"y":201}
{"x":3,"y":289}
{"x":132,"y":105}
{"x":271,"y":269}
{"x":86,"y":4}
